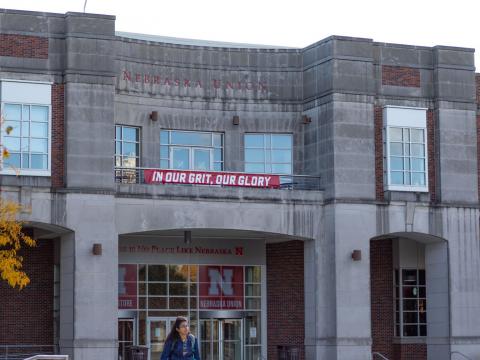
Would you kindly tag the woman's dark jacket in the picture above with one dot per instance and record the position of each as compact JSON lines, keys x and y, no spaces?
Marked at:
{"x":173,"y":349}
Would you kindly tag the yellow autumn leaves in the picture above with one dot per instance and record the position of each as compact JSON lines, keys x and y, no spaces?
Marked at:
{"x":11,"y":241}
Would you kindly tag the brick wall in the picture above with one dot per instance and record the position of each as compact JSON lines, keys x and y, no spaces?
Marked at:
{"x":58,"y":135}
{"x":381,"y":287}
{"x":400,"y":76}
{"x":410,"y":351}
{"x":26,"y":316}
{"x":431,"y":155}
{"x":285,"y":296}
{"x":24,"y":46}
{"x":378,"y":124}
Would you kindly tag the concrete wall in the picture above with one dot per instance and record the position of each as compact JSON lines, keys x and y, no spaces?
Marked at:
{"x":337,"y":82}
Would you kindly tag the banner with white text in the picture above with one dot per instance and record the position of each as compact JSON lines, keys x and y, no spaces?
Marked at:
{"x":268,"y":181}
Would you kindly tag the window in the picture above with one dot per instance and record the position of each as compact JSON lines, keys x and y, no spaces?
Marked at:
{"x":405,"y":145}
{"x":268,"y":153}
{"x":127,"y":153}
{"x":410,"y":303}
{"x":191,"y":150}
{"x":26,"y":112}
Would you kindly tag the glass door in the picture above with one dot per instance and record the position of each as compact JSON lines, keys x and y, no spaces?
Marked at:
{"x":221,"y":339}
{"x":231,"y":339}
{"x":125,"y":337}
{"x":157,"y":331}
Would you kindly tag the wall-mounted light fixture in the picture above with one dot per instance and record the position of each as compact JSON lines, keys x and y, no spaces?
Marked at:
{"x":357,"y":255}
{"x":236,"y":120}
{"x":97,"y":249}
{"x":154,"y":115}
{"x":306,"y":119}
{"x":187,"y":237}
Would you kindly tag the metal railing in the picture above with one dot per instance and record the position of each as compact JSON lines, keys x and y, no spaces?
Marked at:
{"x":125,"y":175}
{"x":21,"y":352}
{"x":48,"y":357}
{"x":380,"y":355}
{"x":459,"y":353}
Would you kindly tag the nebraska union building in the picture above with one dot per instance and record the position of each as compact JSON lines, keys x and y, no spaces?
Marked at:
{"x":314,"y":203}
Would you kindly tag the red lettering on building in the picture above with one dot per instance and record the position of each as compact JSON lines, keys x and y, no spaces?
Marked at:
{"x":126,"y":75}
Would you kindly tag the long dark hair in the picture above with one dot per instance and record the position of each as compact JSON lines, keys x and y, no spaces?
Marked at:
{"x":174,"y":335}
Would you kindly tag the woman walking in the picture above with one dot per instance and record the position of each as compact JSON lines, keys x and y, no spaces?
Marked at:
{"x":180,"y":343}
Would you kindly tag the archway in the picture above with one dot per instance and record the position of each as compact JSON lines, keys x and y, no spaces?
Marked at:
{"x":232,"y":284}
{"x":409,"y":280}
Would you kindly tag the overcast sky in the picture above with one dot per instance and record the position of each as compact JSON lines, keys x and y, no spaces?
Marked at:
{"x":296,"y":23}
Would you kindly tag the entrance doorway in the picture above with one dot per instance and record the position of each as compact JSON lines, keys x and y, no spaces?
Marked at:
{"x":221,"y":339}
{"x":157,"y":331}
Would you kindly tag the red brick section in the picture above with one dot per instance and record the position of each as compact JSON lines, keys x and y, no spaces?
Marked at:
{"x":285,"y":297}
{"x":26,"y":316}
{"x":58,"y":135}
{"x":410,"y":351}
{"x":381,"y":287}
{"x":378,"y":124}
{"x":400,"y":76}
{"x":431,"y":155}
{"x":24,"y":46}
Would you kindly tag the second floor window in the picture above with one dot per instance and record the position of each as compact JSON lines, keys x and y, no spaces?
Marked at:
{"x":191,"y":150}
{"x":26,"y":113}
{"x":405,"y":144}
{"x":268,"y":153}
{"x":127,"y":146}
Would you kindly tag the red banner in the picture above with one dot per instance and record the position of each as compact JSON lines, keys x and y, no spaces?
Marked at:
{"x":211,"y":178}
{"x":127,"y":286}
{"x":221,"y":287}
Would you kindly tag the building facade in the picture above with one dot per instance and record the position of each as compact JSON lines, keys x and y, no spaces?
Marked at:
{"x":316,"y":203}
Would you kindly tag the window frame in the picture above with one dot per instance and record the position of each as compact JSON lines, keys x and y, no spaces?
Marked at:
{"x":400,"y":309}
{"x":417,"y":119}
{"x":265,"y":149}
{"x":191,"y":149}
{"x":7,"y":170}
{"x":139,"y":142}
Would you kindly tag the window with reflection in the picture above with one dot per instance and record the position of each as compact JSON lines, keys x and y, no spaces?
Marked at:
{"x":191,"y":150}
{"x":405,"y":149}
{"x":160,"y":292}
{"x":268,"y":153}
{"x":410,"y":303}
{"x":127,"y":153}
{"x":25,"y":133}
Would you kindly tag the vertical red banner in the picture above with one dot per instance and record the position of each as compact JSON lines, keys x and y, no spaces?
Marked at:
{"x":221,"y":287}
{"x":127,"y":286}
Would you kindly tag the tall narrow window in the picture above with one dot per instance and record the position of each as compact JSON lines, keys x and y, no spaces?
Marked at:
{"x":410,"y":303}
{"x":26,"y":127}
{"x":191,"y":150}
{"x":268,"y":153}
{"x":405,"y":145}
{"x":127,"y":153}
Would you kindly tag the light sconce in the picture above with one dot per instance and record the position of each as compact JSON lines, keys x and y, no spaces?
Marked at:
{"x":306,"y":119}
{"x":154,"y":115}
{"x":97,"y":249}
{"x":357,"y":255}
{"x":236,"y":120}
